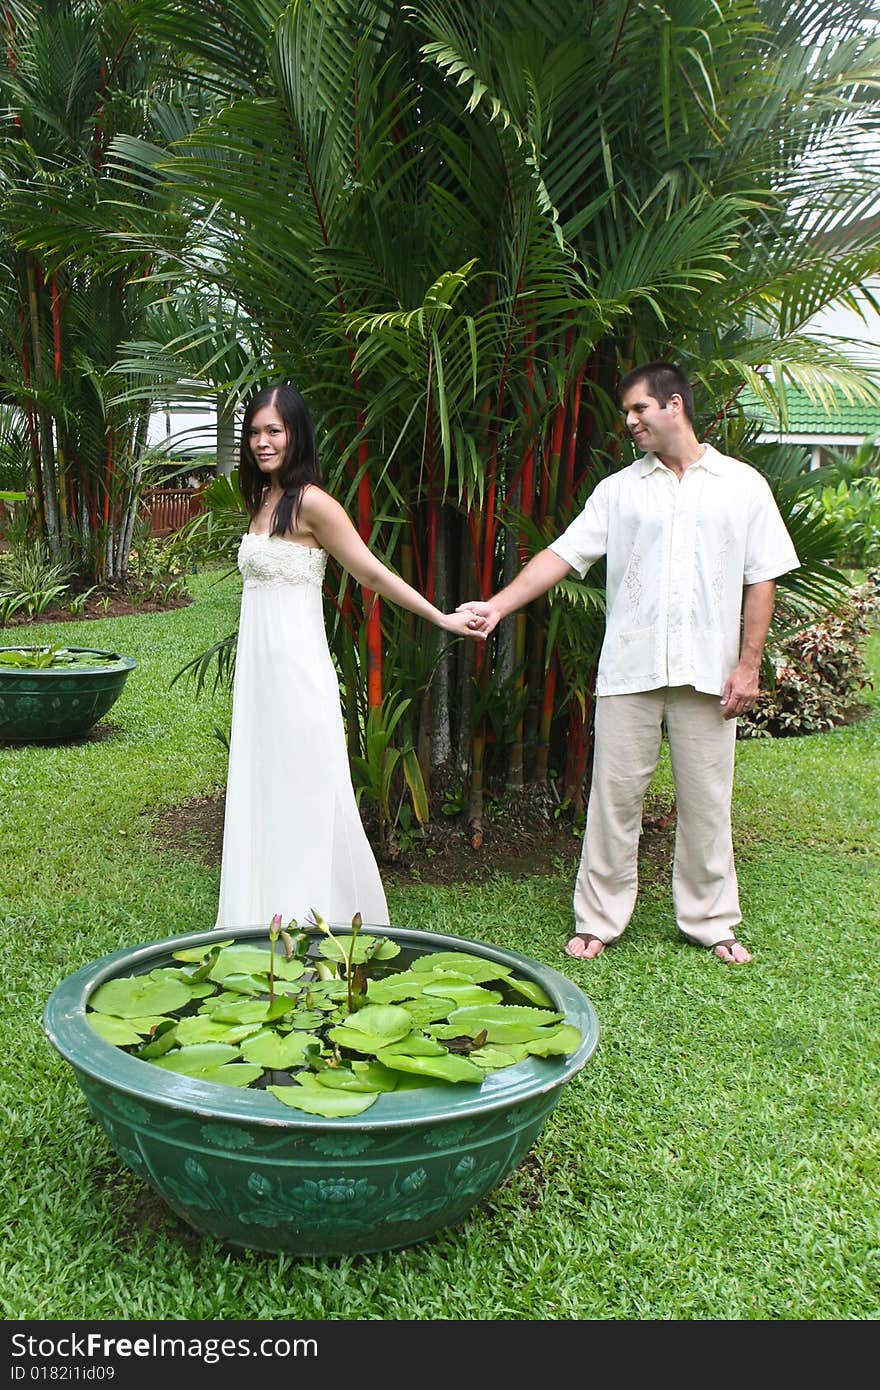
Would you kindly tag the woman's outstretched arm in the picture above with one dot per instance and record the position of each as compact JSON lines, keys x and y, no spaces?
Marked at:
{"x":323,"y":517}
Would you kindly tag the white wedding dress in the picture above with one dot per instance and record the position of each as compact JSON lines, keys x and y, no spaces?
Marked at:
{"x":292,"y":837}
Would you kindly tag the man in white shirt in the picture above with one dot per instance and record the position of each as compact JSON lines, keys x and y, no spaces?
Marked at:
{"x":693,"y":542}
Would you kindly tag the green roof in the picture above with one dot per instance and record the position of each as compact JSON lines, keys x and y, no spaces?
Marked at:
{"x":809,"y":417}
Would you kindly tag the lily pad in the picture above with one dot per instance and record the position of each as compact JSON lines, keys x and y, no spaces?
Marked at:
{"x":210,"y":1062}
{"x":374,"y":1026}
{"x":254,"y":960}
{"x":190,"y":1061}
{"x":198,"y":989}
{"x":244,"y":984}
{"x":530,"y":989}
{"x":239,"y":1074}
{"x":406,"y":985}
{"x":163,"y":1040}
{"x":249,"y":1010}
{"x":147,"y":1024}
{"x":558,"y":1043}
{"x":277,"y":1053}
{"x":504,"y":1023}
{"x":337,"y":949}
{"x":467,"y":1028}
{"x":497,"y":1030}
{"x":462,"y":993}
{"x":320,"y":1100}
{"x":506,"y":1013}
{"x":321,"y":991}
{"x":199,"y":953}
{"x":362,"y":1076}
{"x":476,"y":968}
{"x":494,"y":1056}
{"x":193,"y":974}
{"x":114,"y":1030}
{"x":306,"y":1018}
{"x":202,"y":1028}
{"x":139,"y":995}
{"x":427,"y":1010}
{"x":448,"y":1068}
{"x":416,"y":1045}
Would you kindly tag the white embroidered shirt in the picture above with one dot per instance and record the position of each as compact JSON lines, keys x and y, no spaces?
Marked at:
{"x":678,"y":554}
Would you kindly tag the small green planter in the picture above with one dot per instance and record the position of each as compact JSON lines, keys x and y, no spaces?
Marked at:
{"x":54,"y":703}
{"x":239,"y":1166}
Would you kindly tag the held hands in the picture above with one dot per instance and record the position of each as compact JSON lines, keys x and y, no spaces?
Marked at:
{"x":464,"y":624}
{"x":483,"y":617}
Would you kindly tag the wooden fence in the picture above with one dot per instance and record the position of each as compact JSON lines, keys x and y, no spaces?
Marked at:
{"x":167,"y":508}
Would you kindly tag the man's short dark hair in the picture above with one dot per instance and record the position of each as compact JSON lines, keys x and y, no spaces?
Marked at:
{"x":662,"y":379}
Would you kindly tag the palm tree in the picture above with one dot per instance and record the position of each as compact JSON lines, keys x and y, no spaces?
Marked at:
{"x":454,"y":226}
{"x":75,"y":74}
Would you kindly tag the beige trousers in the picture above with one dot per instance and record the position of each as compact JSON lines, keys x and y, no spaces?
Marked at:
{"x":628,"y":734}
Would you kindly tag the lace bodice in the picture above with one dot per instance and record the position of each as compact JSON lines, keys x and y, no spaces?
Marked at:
{"x":272,"y":560}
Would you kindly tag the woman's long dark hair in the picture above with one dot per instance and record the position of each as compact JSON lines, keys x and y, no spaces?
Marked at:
{"x":300,"y":465}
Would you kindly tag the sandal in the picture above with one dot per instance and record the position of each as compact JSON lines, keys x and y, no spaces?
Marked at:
{"x":586,"y":953}
{"x":726,"y":951}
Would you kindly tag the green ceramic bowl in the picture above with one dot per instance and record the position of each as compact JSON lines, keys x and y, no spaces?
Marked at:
{"x":52,"y":704}
{"x":237,"y":1165}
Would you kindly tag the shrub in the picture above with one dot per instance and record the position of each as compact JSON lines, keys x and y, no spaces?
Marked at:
{"x":156,"y":569}
{"x":30,"y":580}
{"x":855,"y":506}
{"x":818,"y":672}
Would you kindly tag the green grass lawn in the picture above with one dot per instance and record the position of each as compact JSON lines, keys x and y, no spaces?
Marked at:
{"x":715,"y":1159}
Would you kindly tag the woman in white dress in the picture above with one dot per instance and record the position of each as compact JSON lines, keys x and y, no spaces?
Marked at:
{"x":293,"y":839}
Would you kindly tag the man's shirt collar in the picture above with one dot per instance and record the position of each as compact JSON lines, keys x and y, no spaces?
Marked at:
{"x":710,"y":459}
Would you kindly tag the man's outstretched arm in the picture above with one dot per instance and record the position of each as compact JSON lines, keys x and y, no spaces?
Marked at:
{"x":540,"y":574}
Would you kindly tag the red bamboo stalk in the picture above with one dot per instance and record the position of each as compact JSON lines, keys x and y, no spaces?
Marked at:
{"x":550,"y":498}
{"x":577,"y":752}
{"x":545,"y":722}
{"x":91,"y":502}
{"x":430,"y":585}
{"x":484,"y":561}
{"x":56,"y":327}
{"x":594,"y":377}
{"x":553,"y":453}
{"x":372,"y":608}
{"x":571,"y":450}
{"x":30,"y":417}
{"x":433,"y":505}
{"x":108,"y":475}
{"x":98,"y":133}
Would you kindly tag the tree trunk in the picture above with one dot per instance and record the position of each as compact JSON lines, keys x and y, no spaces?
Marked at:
{"x":48,"y":479}
{"x":441,"y":733}
{"x":140,"y":444}
{"x":227,"y":451}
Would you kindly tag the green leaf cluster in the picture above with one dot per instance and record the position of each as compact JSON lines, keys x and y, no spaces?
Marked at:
{"x":236,"y":1014}
{"x":33,"y":658}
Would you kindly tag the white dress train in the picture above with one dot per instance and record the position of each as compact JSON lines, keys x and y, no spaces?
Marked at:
{"x":293,"y":839}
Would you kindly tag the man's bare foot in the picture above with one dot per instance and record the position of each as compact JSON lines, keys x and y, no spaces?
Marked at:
{"x":731,"y":952}
{"x":584,"y":947}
